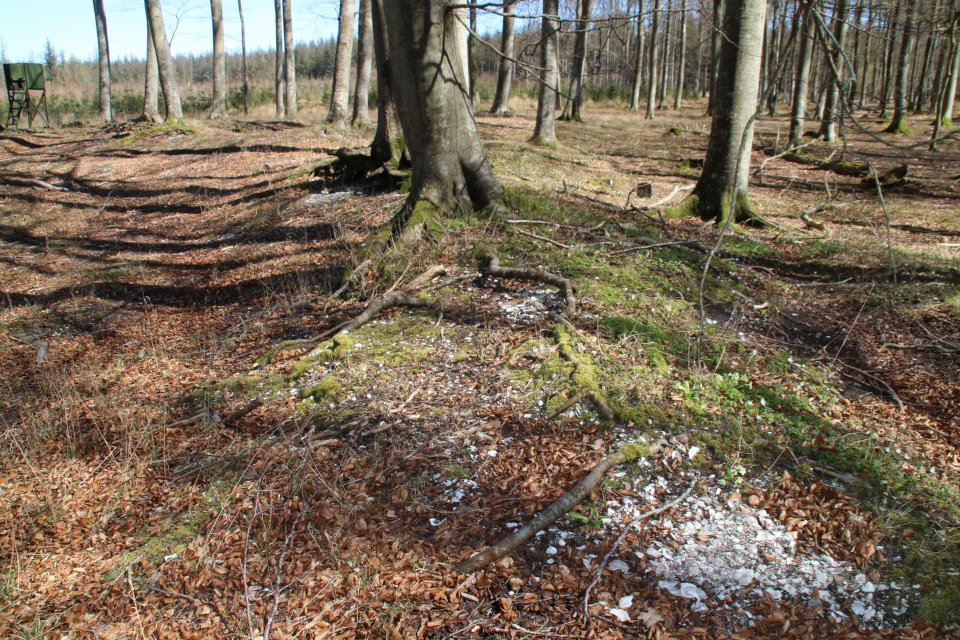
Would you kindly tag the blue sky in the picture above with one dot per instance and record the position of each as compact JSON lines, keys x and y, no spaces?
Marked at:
{"x":25,"y":26}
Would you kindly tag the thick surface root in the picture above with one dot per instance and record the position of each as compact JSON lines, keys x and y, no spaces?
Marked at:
{"x":538,"y":275}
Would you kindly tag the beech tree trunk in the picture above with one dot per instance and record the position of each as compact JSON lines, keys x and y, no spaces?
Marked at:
{"x":681,"y":65}
{"x":388,"y":128}
{"x":289,"y":62}
{"x":664,"y":58}
{"x":219,"y":109}
{"x":278,"y":79}
{"x":168,"y":78}
{"x":543,"y":132}
{"x":151,"y":85}
{"x":801,"y":89}
{"x":501,"y":101}
{"x":450,"y":166}
{"x":831,"y":105}
{"x":103,"y":57}
{"x":340,"y":102}
{"x":900,"y":87}
{"x":575,"y":97}
{"x":472,"y":62}
{"x":243,"y":49}
{"x":950,"y":90}
{"x":638,"y":60}
{"x":714,"y":52}
{"x":652,"y":68}
{"x":721,"y":190}
{"x":361,"y":92}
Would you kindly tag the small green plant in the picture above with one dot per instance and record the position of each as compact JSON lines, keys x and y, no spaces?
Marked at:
{"x":733,"y":476}
{"x":591,"y":520}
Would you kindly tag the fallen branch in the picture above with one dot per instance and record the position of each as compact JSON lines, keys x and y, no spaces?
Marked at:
{"x":435,"y":271}
{"x":537,"y":275}
{"x":239,"y":413}
{"x":47,"y":185}
{"x":547,"y":517}
{"x":662,"y":201}
{"x":535,"y":236}
{"x":574,"y":399}
{"x":890,"y":391}
{"x":810,"y":222}
{"x":642,"y":516}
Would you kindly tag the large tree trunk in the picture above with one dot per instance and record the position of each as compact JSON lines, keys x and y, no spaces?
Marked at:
{"x":103,"y":57}
{"x":243,"y":49}
{"x":831,"y":106}
{"x":652,"y":68}
{"x":501,"y":101}
{"x":801,"y":89}
{"x":450,"y":166}
{"x":543,"y":132}
{"x":388,"y":128}
{"x":638,"y":60}
{"x":151,"y":84}
{"x":361,"y":93}
{"x":575,"y":98}
{"x":219,"y":109}
{"x":721,"y":190}
{"x":289,"y":62}
{"x":278,"y":81}
{"x":682,"y":63}
{"x":900,"y":86}
{"x":340,"y":102}
{"x":168,"y":78}
{"x":714,"y":53}
{"x":472,"y":61}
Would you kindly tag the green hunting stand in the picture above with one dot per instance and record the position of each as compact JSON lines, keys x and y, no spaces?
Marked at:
{"x":24,"y":82}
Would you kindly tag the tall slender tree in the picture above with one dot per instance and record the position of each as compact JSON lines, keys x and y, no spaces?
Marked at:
{"x":831,"y":105}
{"x":219,"y":108}
{"x":900,"y":87}
{"x":243,"y":50}
{"x":544,"y":132}
{"x":103,"y":57}
{"x":279,"y":58}
{"x":365,"y":56}
{"x":714,"y":52}
{"x":168,"y":77}
{"x":575,"y":96}
{"x":681,"y":64}
{"x":151,"y":84}
{"x":340,"y":102}
{"x":289,"y":62}
{"x":953,"y":71}
{"x":721,"y":191}
{"x":501,"y":100}
{"x":801,"y":89}
{"x":652,"y":68}
{"x":638,"y":59}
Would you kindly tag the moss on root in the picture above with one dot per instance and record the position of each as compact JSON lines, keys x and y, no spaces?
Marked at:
{"x":540,"y":141}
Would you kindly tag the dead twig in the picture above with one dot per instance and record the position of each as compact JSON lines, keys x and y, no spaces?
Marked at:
{"x":537,"y":275}
{"x":548,"y":240}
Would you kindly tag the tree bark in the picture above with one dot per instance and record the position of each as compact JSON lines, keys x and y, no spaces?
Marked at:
{"x":721,"y":190}
{"x":900,"y":88}
{"x":151,"y":84}
{"x":340,"y":102}
{"x":652,"y":68}
{"x":472,"y":61}
{"x":168,"y":79}
{"x":681,"y":65}
{"x":543,"y":133}
{"x":450,"y":166}
{"x":361,"y":106}
{"x":243,"y":48}
{"x":714,"y":53}
{"x":575,"y":97}
{"x":831,"y":105}
{"x":801,"y":89}
{"x":219,"y":109}
{"x":638,"y":59}
{"x":103,"y":57}
{"x":501,"y":101}
{"x":278,"y":79}
{"x":950,"y":90}
{"x":388,"y":128}
{"x":289,"y":62}
{"x":665,"y":58}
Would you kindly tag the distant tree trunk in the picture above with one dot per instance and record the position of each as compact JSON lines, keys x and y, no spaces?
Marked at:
{"x":652,"y":69}
{"x":340,"y":102}
{"x":801,"y":89}
{"x":681,"y":65}
{"x":168,"y":78}
{"x":714,"y":52}
{"x":278,"y":79}
{"x":638,"y":60}
{"x":665,"y":58}
{"x":103,"y":56}
{"x":543,"y":132}
{"x":243,"y":48}
{"x":388,"y":128}
{"x":501,"y":101}
{"x":449,"y":166}
{"x":219,"y":109}
{"x":361,"y":109}
{"x":888,"y":57}
{"x":575,"y":98}
{"x":868,"y":38}
{"x":721,"y":190}
{"x":831,"y":105}
{"x":900,"y":86}
{"x":151,"y":85}
{"x":921,"y":95}
{"x":289,"y":61}
{"x":950,"y":90}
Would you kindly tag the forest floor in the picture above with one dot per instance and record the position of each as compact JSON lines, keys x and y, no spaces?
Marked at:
{"x":814,"y":406}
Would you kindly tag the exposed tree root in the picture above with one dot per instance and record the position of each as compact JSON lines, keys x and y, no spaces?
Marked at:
{"x":537,"y":275}
{"x":547,"y":517}
{"x":584,"y":373}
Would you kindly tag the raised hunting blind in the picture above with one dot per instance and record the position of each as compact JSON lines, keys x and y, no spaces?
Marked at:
{"x":26,"y":91}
